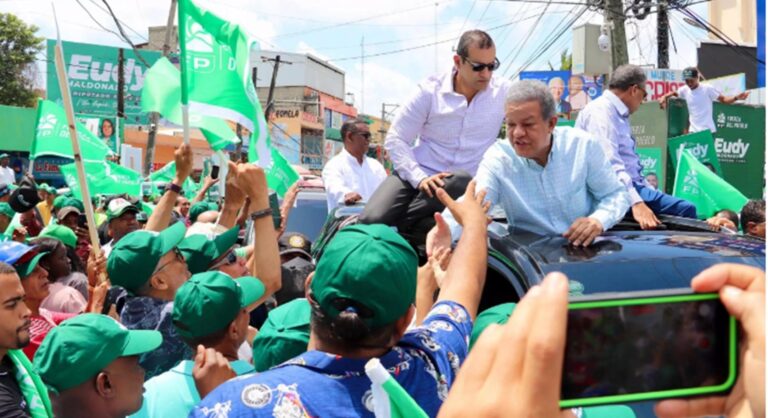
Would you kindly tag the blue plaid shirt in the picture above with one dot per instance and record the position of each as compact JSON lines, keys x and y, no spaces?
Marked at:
{"x":318,"y":384}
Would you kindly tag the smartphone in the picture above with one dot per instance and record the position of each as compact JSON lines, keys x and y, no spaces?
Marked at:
{"x":215,"y":172}
{"x":647,"y":345}
{"x":82,"y":221}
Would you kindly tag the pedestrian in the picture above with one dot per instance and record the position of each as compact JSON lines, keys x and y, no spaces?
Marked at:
{"x":752,"y":218}
{"x":121,"y":221}
{"x":7,"y":175}
{"x":699,"y":97}
{"x":351,"y":176}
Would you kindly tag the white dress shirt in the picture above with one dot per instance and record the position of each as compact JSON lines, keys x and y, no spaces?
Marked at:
{"x":577,"y":181}
{"x":7,"y":176}
{"x":343,"y":174}
{"x":452,"y":134}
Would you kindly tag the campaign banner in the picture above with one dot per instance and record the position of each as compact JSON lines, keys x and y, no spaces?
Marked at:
{"x":701,"y":145}
{"x":661,"y":82}
{"x":92,"y":76}
{"x":649,"y":129}
{"x":652,"y":168}
{"x":571,"y":92}
{"x":729,"y":85}
{"x":740,"y":146}
{"x":47,"y":168}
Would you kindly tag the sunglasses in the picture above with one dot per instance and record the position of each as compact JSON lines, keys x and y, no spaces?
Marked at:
{"x":366,"y":135}
{"x":229,"y":259}
{"x":480,"y":67}
{"x":642,"y":88}
{"x":179,"y":258}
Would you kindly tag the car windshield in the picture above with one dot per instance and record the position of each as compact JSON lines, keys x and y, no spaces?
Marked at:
{"x":308,"y":216}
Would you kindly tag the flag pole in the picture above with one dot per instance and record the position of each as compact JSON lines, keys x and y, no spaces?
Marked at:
{"x":182,"y":22}
{"x":64,"y":85}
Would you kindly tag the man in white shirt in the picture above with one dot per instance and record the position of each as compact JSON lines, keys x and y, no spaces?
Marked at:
{"x":699,"y":98}
{"x":351,"y":176}
{"x":7,"y":175}
{"x":456,"y":117}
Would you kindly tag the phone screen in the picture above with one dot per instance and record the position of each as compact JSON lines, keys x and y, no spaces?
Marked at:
{"x":215,"y":172}
{"x":624,"y":350}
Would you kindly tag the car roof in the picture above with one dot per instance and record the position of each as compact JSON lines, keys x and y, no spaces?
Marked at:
{"x":624,"y":260}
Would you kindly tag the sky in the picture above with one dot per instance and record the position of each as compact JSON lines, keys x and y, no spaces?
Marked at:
{"x":402,"y":41}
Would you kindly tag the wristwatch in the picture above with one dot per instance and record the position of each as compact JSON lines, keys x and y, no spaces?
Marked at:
{"x":261,"y":213}
{"x":173,"y":187}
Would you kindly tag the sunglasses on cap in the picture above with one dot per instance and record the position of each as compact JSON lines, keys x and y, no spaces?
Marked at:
{"x":229,"y":259}
{"x":480,"y":67}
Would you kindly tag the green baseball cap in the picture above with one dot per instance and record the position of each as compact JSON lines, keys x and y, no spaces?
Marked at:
{"x":61,"y":233}
{"x":5,"y":209}
{"x":498,"y":314}
{"x":82,"y":346}
{"x":4,"y":155}
{"x":200,"y":207}
{"x":58,"y":202}
{"x":201,"y":251}
{"x":367,"y":265}
{"x":210,"y":301}
{"x":283,"y":336}
{"x":117,"y":207}
{"x":74,"y":202}
{"x":27,"y":268}
{"x":134,"y":258}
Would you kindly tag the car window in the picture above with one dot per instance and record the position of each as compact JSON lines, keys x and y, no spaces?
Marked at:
{"x":308,"y":217}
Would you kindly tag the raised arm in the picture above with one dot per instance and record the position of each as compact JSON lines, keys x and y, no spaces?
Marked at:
{"x":465,"y":277}
{"x":161,"y":216}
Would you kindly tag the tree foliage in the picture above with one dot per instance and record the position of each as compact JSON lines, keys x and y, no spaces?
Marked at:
{"x":566,"y":61}
{"x":18,"y":47}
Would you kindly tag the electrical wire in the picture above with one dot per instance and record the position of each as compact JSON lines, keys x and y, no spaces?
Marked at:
{"x":88,"y":12}
{"x":100,"y":7}
{"x":564,"y":24}
{"x":125,"y":37}
{"x":525,"y":40}
{"x":720,"y":35}
{"x":467,"y":17}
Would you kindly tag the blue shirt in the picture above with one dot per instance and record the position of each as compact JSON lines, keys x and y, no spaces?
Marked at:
{"x":173,"y":393}
{"x":577,"y":181}
{"x":607,"y":119}
{"x":318,"y":384}
{"x":144,"y":312}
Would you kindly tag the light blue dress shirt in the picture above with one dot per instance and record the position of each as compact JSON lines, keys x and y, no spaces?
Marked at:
{"x":576,"y":182}
{"x":173,"y":393}
{"x":607,"y":119}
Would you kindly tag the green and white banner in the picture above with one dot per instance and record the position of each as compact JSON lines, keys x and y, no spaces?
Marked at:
{"x":103,"y":177}
{"x":52,"y":136}
{"x":697,"y":184}
{"x":92,"y":76}
{"x":701,"y":145}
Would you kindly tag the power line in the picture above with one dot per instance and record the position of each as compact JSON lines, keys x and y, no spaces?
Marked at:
{"x":125,"y":37}
{"x":352,"y":22}
{"x":467,"y":17}
{"x":88,"y":12}
{"x":356,"y":57}
{"x":100,"y":7}
{"x":525,"y":40}
{"x":719,"y":34}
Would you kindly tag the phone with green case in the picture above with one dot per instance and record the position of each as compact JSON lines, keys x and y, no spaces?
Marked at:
{"x":640,"y":346}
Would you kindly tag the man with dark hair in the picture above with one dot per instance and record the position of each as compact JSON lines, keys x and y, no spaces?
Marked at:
{"x":7,"y":175}
{"x":607,"y":119}
{"x":456,"y":117}
{"x":14,"y":335}
{"x":361,"y":310}
{"x":753,"y":218}
{"x":210,"y":311}
{"x":351,"y":176}
{"x":699,"y":97}
{"x":121,"y":221}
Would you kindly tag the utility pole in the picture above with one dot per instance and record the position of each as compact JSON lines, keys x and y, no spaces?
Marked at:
{"x":662,"y":35}
{"x":120,"y":97}
{"x":271,"y":93}
{"x":154,"y":117}
{"x":384,"y":113}
{"x":614,"y":10}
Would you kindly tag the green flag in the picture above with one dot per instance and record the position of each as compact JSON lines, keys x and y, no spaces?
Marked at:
{"x":697,"y":184}
{"x":52,"y":136}
{"x":166,"y":174}
{"x":162,"y":94}
{"x":103,"y":177}
{"x":216,"y":81}
{"x":390,"y":400}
